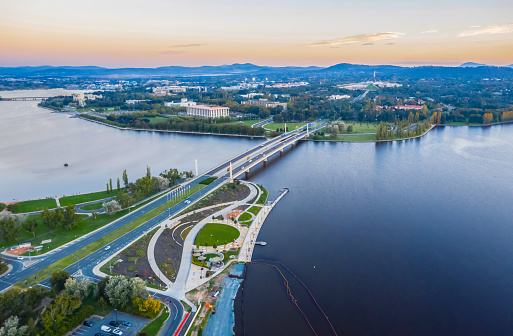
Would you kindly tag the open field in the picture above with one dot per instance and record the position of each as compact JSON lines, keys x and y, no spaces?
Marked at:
{"x":216,"y":234}
{"x":156,"y":120}
{"x":94,"y":206}
{"x":34,"y":205}
{"x":255,"y":210}
{"x":82,"y":198}
{"x":360,"y":127}
{"x":263,"y":197}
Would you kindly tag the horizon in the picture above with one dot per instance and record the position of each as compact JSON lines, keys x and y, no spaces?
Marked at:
{"x":276,"y":33}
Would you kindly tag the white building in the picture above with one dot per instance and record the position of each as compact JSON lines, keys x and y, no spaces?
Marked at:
{"x":183,"y":103}
{"x":338,"y":97}
{"x":208,"y":111}
{"x":265,"y":102}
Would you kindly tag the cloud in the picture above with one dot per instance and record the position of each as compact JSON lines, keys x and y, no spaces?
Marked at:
{"x":190,"y":45}
{"x":429,"y":31}
{"x":390,"y":43}
{"x":173,"y":52}
{"x":368,"y":43}
{"x":494,"y":29}
{"x":358,"y":39}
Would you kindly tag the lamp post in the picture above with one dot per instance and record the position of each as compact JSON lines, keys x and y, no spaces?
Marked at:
{"x":116,"y":315}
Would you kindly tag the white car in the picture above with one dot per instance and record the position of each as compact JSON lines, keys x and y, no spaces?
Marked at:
{"x":20,"y":258}
{"x":117,"y":332}
{"x":106,"y":328}
{"x":107,"y":248}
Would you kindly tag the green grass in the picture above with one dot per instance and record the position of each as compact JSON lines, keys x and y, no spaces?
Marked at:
{"x":360,"y":127}
{"x":210,"y":255}
{"x":213,"y":233}
{"x":84,"y":252}
{"x":32,"y":206}
{"x":90,"y":301}
{"x":290,"y":126}
{"x":245,"y":122}
{"x":255,"y":210}
{"x":263,"y":197}
{"x":156,"y":120}
{"x":94,"y":206}
{"x":209,"y":180}
{"x":3,"y":268}
{"x":244,"y":217}
{"x":227,"y":255}
{"x":2,"y":207}
{"x":153,"y":328}
{"x":186,"y":307}
{"x":82,"y":198}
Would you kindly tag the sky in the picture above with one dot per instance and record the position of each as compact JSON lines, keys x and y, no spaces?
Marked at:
{"x":152,"y":33}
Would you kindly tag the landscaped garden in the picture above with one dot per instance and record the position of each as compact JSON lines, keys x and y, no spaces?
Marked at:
{"x":32,"y":206}
{"x":216,"y":234}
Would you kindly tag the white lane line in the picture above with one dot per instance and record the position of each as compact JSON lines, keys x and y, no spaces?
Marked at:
{"x":176,"y":311}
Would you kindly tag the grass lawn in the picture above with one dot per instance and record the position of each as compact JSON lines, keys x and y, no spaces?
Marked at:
{"x":227,"y":255}
{"x":82,"y":198}
{"x":290,"y":126}
{"x":209,"y":180}
{"x":94,"y":206}
{"x":219,"y":234}
{"x":263,"y":197}
{"x":156,"y":120}
{"x":3,"y":268}
{"x":245,"y":122}
{"x":186,"y":232}
{"x":35,"y":205}
{"x":360,"y":127}
{"x":84,"y":252}
{"x":255,"y":210}
{"x":2,"y":206}
{"x":153,"y":328}
{"x":244,"y":217}
{"x":210,"y":255}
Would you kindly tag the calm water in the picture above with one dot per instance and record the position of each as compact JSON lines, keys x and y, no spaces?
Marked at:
{"x":409,"y":238}
{"x":35,"y":144}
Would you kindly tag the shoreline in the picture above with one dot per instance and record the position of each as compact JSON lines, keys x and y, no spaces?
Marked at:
{"x":170,"y":131}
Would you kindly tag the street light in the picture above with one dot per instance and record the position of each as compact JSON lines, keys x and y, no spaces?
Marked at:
{"x":116,"y":315}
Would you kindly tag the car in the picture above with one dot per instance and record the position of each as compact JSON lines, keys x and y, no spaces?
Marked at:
{"x":127,"y":324}
{"x":107,"y":248}
{"x":114,"y":323}
{"x":117,"y":332}
{"x":20,"y":258}
{"x":88,"y":323}
{"x":106,"y":328}
{"x":250,"y":161}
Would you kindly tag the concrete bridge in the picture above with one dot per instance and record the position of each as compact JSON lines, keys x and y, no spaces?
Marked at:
{"x":242,"y":163}
{"x":22,"y":98}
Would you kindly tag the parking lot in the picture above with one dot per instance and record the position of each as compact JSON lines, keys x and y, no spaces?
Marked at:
{"x":137,"y":324}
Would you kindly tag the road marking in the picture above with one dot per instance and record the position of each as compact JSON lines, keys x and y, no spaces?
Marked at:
{"x":176,"y":311}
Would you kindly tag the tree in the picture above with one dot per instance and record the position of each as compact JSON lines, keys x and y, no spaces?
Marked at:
{"x":108,"y":188}
{"x":70,"y":217}
{"x":144,"y":187}
{"x":189,"y":174}
{"x":124,"y":199}
{"x":119,"y":185}
{"x":30,"y":225}
{"x":102,"y":303}
{"x":110,"y":184}
{"x":58,"y":280}
{"x":77,"y":288}
{"x":10,"y":227}
{"x":160,"y":182}
{"x":350,"y":129}
{"x":11,"y":328}
{"x":148,"y":172}
{"x":172,"y":175}
{"x":121,"y":290}
{"x":125,"y":178}
{"x":111,"y":207}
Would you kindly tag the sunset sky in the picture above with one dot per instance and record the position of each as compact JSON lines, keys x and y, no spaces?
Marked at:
{"x":151,"y":33}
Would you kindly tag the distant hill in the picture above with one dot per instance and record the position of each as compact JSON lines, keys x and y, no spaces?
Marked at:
{"x":231,"y":69}
{"x":472,"y":65}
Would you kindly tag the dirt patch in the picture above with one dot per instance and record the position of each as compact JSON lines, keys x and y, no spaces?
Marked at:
{"x":233,"y":214}
{"x":228,"y":193}
{"x":205,"y":292}
{"x":243,"y":207}
{"x":135,"y":262}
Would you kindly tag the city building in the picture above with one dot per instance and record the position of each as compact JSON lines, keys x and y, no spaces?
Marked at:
{"x":208,"y":111}
{"x":264,"y":102}
{"x":183,"y":103}
{"x":134,"y":101}
{"x":338,"y":97}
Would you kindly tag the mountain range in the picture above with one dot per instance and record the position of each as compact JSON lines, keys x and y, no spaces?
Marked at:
{"x":468,"y":69}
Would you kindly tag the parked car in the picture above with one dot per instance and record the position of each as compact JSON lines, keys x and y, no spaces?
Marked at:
{"x":127,"y":324}
{"x":106,"y":328}
{"x":88,"y":323}
{"x":107,"y":248}
{"x":117,"y":332}
{"x":114,"y":323}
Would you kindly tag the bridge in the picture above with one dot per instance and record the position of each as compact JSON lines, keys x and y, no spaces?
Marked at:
{"x":21,"y":98}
